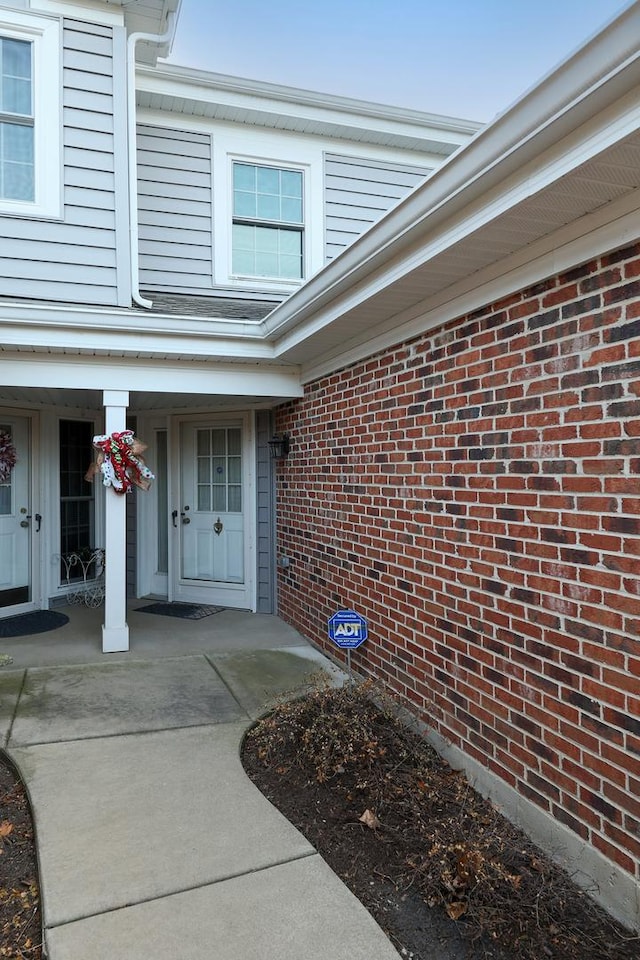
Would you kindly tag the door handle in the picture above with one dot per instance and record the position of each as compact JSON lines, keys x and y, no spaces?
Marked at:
{"x":28,"y":517}
{"x":174,"y":517}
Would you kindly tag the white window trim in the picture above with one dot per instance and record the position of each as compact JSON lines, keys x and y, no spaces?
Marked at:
{"x":44,"y":34}
{"x":282,"y":151}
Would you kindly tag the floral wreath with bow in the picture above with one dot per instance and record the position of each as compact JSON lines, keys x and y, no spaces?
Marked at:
{"x":120,"y":462}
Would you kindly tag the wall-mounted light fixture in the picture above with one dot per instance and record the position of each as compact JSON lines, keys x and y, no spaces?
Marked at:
{"x":279,"y":446}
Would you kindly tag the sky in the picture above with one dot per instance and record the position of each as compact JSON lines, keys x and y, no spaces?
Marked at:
{"x":463,"y":58}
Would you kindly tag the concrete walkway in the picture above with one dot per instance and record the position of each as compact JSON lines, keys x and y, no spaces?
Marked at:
{"x":152,"y":840}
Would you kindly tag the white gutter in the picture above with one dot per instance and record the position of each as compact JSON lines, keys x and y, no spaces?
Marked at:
{"x":133,"y":39}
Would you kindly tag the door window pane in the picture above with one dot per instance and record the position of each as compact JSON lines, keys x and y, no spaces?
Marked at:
{"x":77,"y":512}
{"x":162,"y":501}
{"x":219,"y":471}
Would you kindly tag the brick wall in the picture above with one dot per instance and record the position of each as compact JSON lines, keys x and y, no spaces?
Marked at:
{"x":475,"y":493}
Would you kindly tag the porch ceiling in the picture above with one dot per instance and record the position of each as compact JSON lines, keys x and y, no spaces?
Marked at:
{"x":90,"y":401}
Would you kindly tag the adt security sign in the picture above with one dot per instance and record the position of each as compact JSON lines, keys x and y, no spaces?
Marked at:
{"x":348,"y":629}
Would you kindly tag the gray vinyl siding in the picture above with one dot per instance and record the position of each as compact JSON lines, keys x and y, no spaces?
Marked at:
{"x":265,"y":593}
{"x":174,"y":209}
{"x":74,"y":259}
{"x":358,"y":192}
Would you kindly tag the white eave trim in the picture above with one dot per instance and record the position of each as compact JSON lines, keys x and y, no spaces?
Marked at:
{"x":273,"y":100}
{"x":104,"y":331}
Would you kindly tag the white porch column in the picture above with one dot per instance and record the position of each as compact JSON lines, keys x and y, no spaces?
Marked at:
{"x":115,"y":630}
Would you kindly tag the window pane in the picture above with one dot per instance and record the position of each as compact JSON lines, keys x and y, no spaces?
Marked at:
{"x":243,"y":237}
{"x":268,"y":207}
{"x":161,"y":487}
{"x":244,"y":204}
{"x":291,"y":184}
{"x":244,"y":177}
{"x":16,"y":58}
{"x":5,"y":499}
{"x":17,"y":141}
{"x":243,"y":262}
{"x":235,"y":442}
{"x":291,"y":210}
{"x":266,"y":239}
{"x":235,"y":468}
{"x":235,"y":499}
{"x":220,"y":499}
{"x":290,"y":267}
{"x":16,"y":162}
{"x":77,"y":529}
{"x":219,"y":445}
{"x":267,"y":265}
{"x":204,"y":470}
{"x":269,"y":180}
{"x":203,"y":443}
{"x":204,"y":498}
{"x":16,"y":96}
{"x":15,"y":89}
{"x":291,"y":242}
{"x":278,"y":252}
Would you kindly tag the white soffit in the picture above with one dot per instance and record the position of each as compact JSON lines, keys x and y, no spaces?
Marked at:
{"x":196,"y":93}
{"x":590,"y":188}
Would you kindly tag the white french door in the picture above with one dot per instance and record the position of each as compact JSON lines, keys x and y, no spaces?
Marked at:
{"x":18,"y":522}
{"x":212,"y":518}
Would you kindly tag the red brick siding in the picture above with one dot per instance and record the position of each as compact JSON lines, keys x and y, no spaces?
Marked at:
{"x":475,"y":493}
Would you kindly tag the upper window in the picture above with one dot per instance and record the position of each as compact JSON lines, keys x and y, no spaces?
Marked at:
{"x":16,"y":120}
{"x":268,"y":225}
{"x":29,"y":114}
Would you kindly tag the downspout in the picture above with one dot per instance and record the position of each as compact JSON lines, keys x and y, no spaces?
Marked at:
{"x":133,"y":39}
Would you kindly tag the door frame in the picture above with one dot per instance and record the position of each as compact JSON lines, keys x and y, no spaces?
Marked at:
{"x":241,"y":596}
{"x":35,"y":495}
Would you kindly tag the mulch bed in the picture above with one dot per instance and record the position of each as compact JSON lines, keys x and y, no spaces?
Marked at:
{"x":443,"y":873}
{"x":20,"y":919}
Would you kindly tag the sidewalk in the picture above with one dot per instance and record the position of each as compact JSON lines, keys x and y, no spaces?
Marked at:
{"x":153,"y":843}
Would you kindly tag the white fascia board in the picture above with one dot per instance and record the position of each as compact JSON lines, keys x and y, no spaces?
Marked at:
{"x":270,"y":100}
{"x":130,"y":332}
{"x":142,"y":322}
{"x":39,"y":337}
{"x":279,"y":92}
{"x":476,"y":177}
{"x":606,"y":229}
{"x":90,"y":373}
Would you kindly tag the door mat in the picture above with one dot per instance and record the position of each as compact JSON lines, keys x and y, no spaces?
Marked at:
{"x":39,"y":621}
{"x":183,"y":611}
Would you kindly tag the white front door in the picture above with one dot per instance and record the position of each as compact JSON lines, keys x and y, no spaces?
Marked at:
{"x":16,"y":519}
{"x":210,"y":524}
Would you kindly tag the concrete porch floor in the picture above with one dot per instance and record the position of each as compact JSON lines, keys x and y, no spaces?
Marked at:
{"x":80,"y":640}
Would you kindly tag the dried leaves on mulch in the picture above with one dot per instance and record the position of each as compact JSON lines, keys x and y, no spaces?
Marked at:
{"x":20,"y":923}
{"x":442,"y":871}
